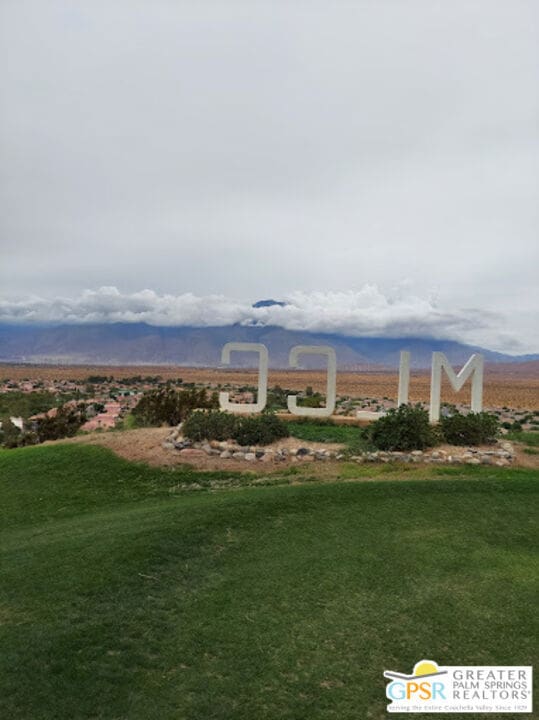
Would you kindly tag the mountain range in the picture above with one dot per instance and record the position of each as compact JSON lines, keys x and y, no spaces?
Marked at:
{"x":142,"y":344}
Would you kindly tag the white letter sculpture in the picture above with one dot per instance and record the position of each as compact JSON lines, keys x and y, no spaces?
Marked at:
{"x":473,"y":367}
{"x":331,"y":381}
{"x":262,"y":392}
{"x":404,"y":378}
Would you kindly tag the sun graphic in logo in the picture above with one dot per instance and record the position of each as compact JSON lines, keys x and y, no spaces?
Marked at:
{"x":422,"y":669}
{"x":426,"y":667}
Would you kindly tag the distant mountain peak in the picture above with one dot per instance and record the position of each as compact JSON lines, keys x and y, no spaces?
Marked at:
{"x":268,"y":303}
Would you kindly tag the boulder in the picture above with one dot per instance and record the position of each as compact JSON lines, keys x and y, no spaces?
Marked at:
{"x":183,"y":444}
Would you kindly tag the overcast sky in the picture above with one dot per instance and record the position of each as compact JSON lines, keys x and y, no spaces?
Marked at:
{"x":374,"y":163}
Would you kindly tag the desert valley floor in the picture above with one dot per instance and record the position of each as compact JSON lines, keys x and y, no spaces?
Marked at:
{"x":514,"y":385}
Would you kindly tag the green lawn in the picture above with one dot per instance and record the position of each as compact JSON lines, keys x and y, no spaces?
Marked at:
{"x":328,"y":432}
{"x":124,"y":594}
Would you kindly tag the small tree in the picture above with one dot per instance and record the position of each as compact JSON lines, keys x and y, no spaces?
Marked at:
{"x":65,"y":423}
{"x":170,"y":406}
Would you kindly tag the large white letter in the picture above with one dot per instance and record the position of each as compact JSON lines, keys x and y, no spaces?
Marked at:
{"x":262,"y":392}
{"x":473,"y":367}
{"x":331,"y":382}
{"x":404,"y":378}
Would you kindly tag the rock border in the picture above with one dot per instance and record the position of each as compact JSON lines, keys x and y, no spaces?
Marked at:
{"x":502,"y":456}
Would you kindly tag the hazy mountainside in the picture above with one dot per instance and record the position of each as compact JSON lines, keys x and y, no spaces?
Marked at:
{"x":138,"y":343}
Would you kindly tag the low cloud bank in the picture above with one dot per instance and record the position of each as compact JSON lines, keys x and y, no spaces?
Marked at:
{"x":365,"y":312}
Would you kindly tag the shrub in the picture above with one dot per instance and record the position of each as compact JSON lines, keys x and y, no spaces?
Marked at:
{"x":210,"y":425}
{"x":167,"y":405}
{"x":260,"y":430}
{"x":277,"y":398}
{"x":9,"y":433}
{"x":65,"y":423}
{"x":129,"y":422}
{"x":404,"y":428}
{"x":217,"y":425}
{"x":472,"y":429}
{"x":314,"y":400}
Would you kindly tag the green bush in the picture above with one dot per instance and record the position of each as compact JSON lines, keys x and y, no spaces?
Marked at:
{"x":170,"y":406}
{"x":404,"y":428}
{"x":65,"y":423}
{"x":210,"y":425}
{"x":260,"y":430}
{"x":217,"y":425}
{"x":129,"y":422}
{"x":314,"y":400}
{"x":472,"y":429}
{"x":9,"y":433}
{"x":277,"y":398}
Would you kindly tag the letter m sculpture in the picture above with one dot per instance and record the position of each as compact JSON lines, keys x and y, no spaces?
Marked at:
{"x":473,"y":368}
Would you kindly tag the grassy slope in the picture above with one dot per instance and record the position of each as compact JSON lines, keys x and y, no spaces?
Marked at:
{"x":121,"y":598}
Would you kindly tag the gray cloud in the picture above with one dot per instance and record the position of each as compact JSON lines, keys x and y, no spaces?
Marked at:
{"x":247,"y":150}
{"x":367,"y":312}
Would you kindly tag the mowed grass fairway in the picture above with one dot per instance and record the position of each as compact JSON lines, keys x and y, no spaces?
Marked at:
{"x":126,"y":595}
